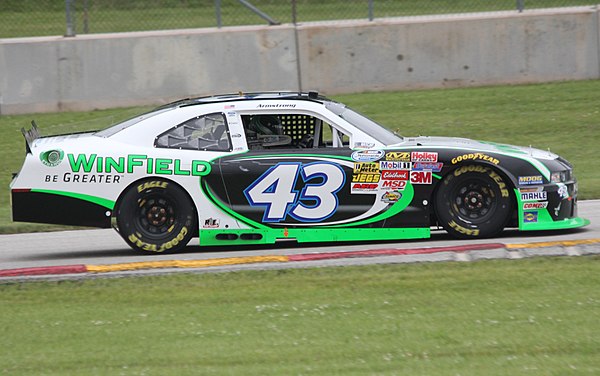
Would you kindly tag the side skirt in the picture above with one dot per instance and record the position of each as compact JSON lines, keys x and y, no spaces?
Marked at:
{"x":212,"y":237}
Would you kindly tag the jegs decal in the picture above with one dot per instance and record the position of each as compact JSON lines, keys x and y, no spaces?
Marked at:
{"x":311,"y":200}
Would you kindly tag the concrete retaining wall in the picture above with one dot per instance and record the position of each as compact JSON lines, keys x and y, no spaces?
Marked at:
{"x":109,"y":70}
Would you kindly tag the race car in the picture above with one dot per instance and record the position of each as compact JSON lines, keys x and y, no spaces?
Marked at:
{"x":258,"y":168}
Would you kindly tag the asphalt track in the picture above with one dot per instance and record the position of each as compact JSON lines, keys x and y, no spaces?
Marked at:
{"x":93,"y":253}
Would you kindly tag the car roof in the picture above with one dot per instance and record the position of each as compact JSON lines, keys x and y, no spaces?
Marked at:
{"x":312,"y":96}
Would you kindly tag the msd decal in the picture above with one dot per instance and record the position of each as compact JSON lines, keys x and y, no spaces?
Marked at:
{"x":392,"y":185}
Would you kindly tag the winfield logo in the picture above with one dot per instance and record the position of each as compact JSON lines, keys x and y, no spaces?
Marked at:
{"x":393,"y":185}
{"x":136,"y":163}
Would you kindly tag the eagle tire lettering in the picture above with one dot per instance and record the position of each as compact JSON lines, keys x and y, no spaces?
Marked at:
{"x":473,"y":201}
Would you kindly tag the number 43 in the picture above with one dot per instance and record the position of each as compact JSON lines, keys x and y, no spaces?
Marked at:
{"x":316,"y":201}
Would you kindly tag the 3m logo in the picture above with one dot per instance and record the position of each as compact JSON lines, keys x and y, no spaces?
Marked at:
{"x":421,"y":177}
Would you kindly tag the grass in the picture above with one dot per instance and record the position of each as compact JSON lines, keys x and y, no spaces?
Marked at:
{"x":533,"y":316}
{"x":34,"y":18}
{"x":563,"y":117}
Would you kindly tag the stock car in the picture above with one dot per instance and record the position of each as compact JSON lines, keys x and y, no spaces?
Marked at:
{"x":263,"y":167}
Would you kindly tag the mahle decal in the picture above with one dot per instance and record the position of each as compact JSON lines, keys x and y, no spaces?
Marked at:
{"x":136,"y":163}
{"x":52,"y":158}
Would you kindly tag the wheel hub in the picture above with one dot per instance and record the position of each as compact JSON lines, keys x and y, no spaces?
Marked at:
{"x":474,"y":201}
{"x":156,"y":216}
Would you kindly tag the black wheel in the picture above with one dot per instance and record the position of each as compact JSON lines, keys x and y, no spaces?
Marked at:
{"x":473,"y":202}
{"x":156,"y":215}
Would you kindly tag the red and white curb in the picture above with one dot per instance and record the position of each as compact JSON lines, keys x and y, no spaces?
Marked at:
{"x":432,"y":254}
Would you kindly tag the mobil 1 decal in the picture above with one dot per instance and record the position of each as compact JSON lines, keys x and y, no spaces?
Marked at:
{"x":296,"y":191}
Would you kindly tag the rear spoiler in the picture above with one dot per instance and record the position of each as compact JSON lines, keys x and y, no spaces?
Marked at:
{"x":31,"y":135}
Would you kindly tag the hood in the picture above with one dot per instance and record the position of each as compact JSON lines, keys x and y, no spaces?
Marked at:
{"x":483,"y":146}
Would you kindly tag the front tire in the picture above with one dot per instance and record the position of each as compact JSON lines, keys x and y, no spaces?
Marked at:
{"x":156,"y":215}
{"x":473,"y":202}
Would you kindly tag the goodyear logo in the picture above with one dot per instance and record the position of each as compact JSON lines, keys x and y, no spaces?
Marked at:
{"x":475,"y":156}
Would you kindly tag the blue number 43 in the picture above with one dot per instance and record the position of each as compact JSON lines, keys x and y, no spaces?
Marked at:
{"x":317,"y":200}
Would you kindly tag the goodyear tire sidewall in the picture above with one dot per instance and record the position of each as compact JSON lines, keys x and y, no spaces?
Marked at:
{"x":459,"y":226}
{"x":179,"y":232}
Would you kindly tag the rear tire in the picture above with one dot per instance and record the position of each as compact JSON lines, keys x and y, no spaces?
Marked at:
{"x":156,"y":215}
{"x":473,"y":202}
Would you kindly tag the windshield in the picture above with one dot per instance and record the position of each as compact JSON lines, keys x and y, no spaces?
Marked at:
{"x":363,"y":123}
{"x":128,"y":123}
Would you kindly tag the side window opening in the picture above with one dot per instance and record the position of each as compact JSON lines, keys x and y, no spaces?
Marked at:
{"x":207,"y":132}
{"x":290,"y":131}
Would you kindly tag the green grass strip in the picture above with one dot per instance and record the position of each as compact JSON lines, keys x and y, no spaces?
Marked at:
{"x":502,"y":317}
